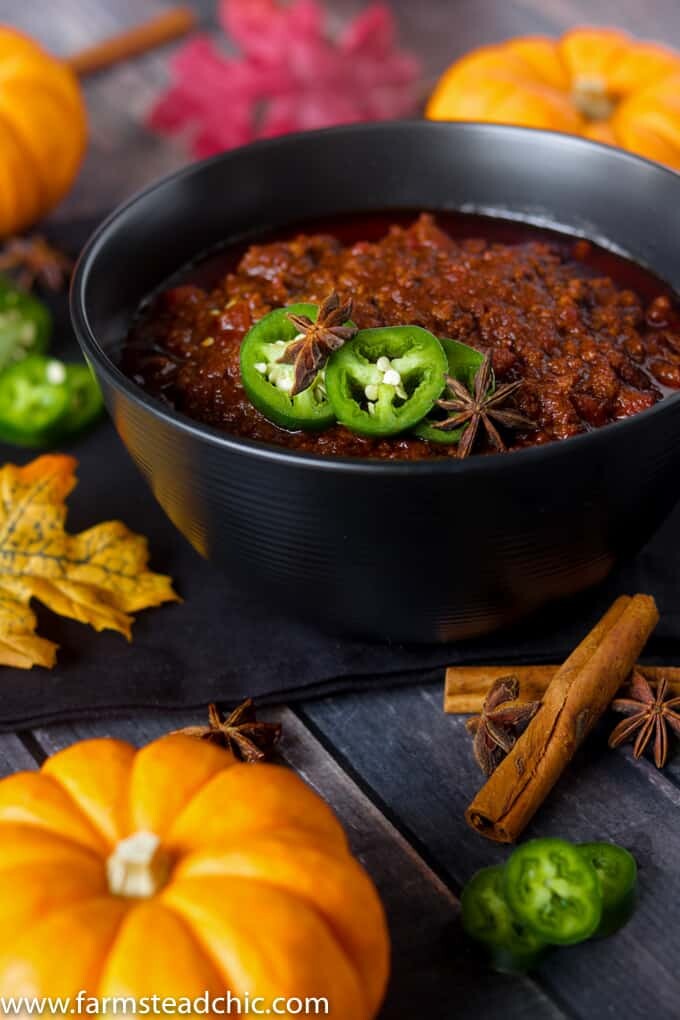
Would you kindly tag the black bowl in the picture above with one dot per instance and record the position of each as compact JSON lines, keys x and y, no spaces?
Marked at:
{"x":428,"y":551}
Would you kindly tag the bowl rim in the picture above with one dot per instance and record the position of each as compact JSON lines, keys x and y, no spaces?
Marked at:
{"x":305,"y":459}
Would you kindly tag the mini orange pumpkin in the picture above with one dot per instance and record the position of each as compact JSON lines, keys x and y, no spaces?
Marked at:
{"x":599,"y":83}
{"x":177,"y":871}
{"x":42,"y":131}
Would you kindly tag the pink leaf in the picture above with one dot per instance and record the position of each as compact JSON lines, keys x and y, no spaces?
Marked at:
{"x":263,"y":28}
{"x":371,"y":32}
{"x":290,"y":75}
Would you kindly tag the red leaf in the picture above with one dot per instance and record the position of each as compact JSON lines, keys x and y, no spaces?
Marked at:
{"x":290,"y":75}
{"x":263,"y":28}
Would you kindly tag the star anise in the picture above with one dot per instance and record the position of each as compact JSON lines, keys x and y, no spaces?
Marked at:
{"x":241,"y":732}
{"x":33,"y":259}
{"x":502,"y":720}
{"x":650,"y":714}
{"x":479,"y":407}
{"x":316,"y":341}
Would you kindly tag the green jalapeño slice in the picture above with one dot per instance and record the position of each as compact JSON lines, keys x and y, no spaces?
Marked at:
{"x":86,"y":403}
{"x":617,"y":872}
{"x":486,"y":917}
{"x":43,"y":401}
{"x":268,"y":381}
{"x":385,"y":380}
{"x":25,"y":325}
{"x":554,"y":889}
{"x":34,"y":400}
{"x":463,"y":364}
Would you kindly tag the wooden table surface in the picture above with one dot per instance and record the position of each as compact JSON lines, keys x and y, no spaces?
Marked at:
{"x":395,"y":768}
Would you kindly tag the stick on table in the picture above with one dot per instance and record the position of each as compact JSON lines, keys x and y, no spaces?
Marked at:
{"x":467,"y":686}
{"x":133,"y":41}
{"x":577,"y":696}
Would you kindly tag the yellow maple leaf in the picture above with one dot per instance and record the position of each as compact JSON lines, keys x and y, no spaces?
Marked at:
{"x":98,"y":577}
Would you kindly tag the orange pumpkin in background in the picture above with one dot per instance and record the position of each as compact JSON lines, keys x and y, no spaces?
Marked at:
{"x":43,"y":131}
{"x":177,"y":871}
{"x":599,"y":83}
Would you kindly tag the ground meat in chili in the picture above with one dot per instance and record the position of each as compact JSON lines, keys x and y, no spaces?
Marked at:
{"x":587,"y":349}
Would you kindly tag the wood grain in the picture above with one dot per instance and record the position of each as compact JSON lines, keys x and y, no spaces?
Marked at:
{"x":434,"y":963}
{"x":418,"y":762}
{"x":132,"y":42}
{"x":14,"y":756}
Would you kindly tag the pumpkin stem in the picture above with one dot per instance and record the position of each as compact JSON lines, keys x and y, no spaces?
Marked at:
{"x":138,"y":866}
{"x":591,"y":98}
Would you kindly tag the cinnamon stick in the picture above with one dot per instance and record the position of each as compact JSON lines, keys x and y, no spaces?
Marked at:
{"x":133,"y":41}
{"x":467,"y":686}
{"x":576,"y":697}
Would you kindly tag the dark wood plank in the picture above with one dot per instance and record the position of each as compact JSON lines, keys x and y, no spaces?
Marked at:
{"x":434,"y":967}
{"x":14,"y":757}
{"x":417,"y":763}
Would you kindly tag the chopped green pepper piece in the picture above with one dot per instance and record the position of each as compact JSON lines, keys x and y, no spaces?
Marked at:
{"x":617,"y":872}
{"x":383,"y":381}
{"x":463,"y":364}
{"x":34,"y":398}
{"x":25,"y":324}
{"x":554,"y":889}
{"x":268,"y":382}
{"x":85,"y":401}
{"x":43,"y":401}
{"x":487,"y":918}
